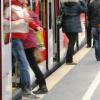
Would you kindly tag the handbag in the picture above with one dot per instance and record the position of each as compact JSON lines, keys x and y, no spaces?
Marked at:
{"x":38,"y":55}
{"x":40,"y":40}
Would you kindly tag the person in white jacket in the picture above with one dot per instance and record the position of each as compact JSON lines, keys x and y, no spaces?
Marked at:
{"x":19,"y":28}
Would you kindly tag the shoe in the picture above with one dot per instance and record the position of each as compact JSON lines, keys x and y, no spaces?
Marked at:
{"x":29,"y":94}
{"x":72,"y":63}
{"x":88,"y":46}
{"x":42,"y":90}
{"x":98,"y":59}
{"x":69,"y":61}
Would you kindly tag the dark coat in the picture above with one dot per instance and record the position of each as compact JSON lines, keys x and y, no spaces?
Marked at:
{"x":94,"y":13}
{"x":71,"y":16}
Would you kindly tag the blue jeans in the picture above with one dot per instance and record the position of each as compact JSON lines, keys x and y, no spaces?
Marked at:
{"x":96,"y":36}
{"x":18,"y":52}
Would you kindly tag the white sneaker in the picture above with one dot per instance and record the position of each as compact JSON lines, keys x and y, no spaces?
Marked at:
{"x":29,"y":94}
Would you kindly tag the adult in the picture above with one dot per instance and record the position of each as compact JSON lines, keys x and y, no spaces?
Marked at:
{"x":71,"y":24}
{"x":94,"y":11}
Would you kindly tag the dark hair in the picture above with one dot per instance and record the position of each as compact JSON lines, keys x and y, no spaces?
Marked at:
{"x":28,"y":2}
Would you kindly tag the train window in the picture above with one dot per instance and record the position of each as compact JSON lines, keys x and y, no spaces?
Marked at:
{"x":50,"y":16}
{"x":37,"y":7}
{"x":40,"y":10}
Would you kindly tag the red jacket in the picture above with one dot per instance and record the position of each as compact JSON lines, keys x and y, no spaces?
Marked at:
{"x":30,"y":41}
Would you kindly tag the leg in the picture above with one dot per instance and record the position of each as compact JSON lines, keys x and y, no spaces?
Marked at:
{"x":89,"y":35}
{"x":96,"y":34}
{"x":72,"y":38}
{"x":18,"y":51}
{"x":34,"y":66}
{"x":97,"y":50}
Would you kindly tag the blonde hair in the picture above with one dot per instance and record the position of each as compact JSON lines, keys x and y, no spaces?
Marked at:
{"x":63,"y":1}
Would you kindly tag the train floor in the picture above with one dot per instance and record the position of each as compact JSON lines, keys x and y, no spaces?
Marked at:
{"x":75,"y":82}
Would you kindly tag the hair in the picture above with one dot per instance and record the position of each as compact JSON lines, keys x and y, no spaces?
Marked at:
{"x":16,"y":2}
{"x":23,"y":1}
{"x":64,"y":1}
{"x":19,"y":2}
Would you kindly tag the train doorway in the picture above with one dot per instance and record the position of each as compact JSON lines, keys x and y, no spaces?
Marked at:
{"x":53,"y":33}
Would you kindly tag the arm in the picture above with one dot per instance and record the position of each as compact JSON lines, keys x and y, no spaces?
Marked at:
{"x":83,"y":6}
{"x":36,"y":23}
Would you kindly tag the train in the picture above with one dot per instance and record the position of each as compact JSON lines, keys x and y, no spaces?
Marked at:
{"x":53,"y":54}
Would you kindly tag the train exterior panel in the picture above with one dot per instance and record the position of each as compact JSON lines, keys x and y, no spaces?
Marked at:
{"x":6,"y":62}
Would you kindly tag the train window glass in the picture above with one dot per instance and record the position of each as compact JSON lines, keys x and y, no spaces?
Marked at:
{"x":50,"y":16}
{"x":37,"y":7}
{"x":40,"y":10}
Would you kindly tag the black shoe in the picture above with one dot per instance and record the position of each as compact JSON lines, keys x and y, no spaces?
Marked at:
{"x":42,"y":90}
{"x":98,"y":59}
{"x":69,"y":61}
{"x":72,"y":63}
{"x":88,"y":46}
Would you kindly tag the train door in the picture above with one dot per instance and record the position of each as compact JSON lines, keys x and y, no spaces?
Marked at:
{"x":56,"y":38}
{"x":50,"y":9}
{"x":6,"y":60}
{"x":0,"y":64}
{"x":53,"y":34}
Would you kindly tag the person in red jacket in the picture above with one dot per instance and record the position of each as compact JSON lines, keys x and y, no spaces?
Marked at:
{"x":20,"y":23}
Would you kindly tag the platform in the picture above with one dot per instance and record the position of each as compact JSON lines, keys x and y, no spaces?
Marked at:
{"x":75,"y":82}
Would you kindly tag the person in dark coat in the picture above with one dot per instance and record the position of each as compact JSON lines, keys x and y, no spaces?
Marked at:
{"x":94,"y":11}
{"x":71,"y":24}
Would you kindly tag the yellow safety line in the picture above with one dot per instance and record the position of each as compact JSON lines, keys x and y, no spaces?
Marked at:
{"x":56,"y":77}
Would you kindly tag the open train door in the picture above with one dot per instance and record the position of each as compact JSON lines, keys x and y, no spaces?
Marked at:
{"x":50,"y":33}
{"x":53,"y":34}
{"x":6,"y":59}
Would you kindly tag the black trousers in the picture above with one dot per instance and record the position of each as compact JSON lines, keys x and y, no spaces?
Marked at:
{"x":70,"y":51}
{"x":89,"y":36}
{"x":34,"y":66}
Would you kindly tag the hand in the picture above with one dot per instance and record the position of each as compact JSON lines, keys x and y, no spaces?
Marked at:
{"x":28,"y":19}
{"x":39,"y":28}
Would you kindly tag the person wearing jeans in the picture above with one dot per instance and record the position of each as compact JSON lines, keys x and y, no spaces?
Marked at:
{"x":18,"y":52}
{"x":94,"y":11}
{"x":96,"y":35}
{"x":19,"y":29}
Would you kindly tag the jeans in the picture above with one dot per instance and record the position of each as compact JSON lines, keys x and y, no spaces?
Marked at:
{"x":96,"y":35}
{"x":18,"y":52}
